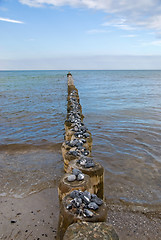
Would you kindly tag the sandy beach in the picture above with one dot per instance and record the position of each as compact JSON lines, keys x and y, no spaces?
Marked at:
{"x":36,"y":217}
{"x":134,"y":225}
{"x":32,"y":218}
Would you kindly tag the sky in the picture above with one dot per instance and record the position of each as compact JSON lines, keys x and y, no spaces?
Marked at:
{"x":80,"y":34}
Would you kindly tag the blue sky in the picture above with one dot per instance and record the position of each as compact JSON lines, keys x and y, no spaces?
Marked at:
{"x":80,"y":34}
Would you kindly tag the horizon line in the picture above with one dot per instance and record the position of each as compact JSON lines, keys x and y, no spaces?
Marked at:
{"x":15,"y":70}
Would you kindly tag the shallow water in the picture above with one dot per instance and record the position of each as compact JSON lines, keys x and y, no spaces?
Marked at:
{"x":33,"y":109}
{"x":122,"y":110}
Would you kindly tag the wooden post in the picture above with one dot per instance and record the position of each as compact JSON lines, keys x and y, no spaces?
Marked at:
{"x":66,"y":148}
{"x":65,"y":187}
{"x":90,"y":231}
{"x":67,"y":217}
{"x":96,"y":175}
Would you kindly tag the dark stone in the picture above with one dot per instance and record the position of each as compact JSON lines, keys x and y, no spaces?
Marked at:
{"x":80,"y":177}
{"x":73,"y":143}
{"x":67,"y":143}
{"x":83,"y":140}
{"x":74,"y":194}
{"x":85,"y":152}
{"x":87,"y":213}
{"x":69,"y":206}
{"x":97,"y":200}
{"x":79,"y":143}
{"x":85,"y":199}
{"x":77,"y":202}
{"x":86,"y":135}
{"x":13,"y":221}
{"x":93,"y":205}
{"x":87,"y":194}
{"x":76,"y":172}
{"x":87,"y":162}
{"x":74,"y":153}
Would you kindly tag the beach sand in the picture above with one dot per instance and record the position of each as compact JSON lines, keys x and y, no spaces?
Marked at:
{"x":33,"y":218}
{"x":36,"y":218}
{"x":131,"y":225}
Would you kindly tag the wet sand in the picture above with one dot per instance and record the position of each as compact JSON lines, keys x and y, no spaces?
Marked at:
{"x":132,"y":225}
{"x":33,"y":218}
{"x":36,"y":217}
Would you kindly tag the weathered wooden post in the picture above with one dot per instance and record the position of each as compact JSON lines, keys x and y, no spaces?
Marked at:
{"x":96,"y":174}
{"x":69,"y":183}
{"x":77,"y":207}
{"x":90,"y":231}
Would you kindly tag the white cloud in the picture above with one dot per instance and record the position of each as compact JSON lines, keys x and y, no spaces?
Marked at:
{"x":156,"y":43}
{"x":95,"y":4}
{"x":153,"y":22}
{"x":106,"y":5}
{"x":10,"y":20}
{"x":152,"y":43}
{"x":138,"y":13}
{"x":124,"y":27}
{"x":119,"y":23}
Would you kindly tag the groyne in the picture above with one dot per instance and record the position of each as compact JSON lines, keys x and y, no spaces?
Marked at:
{"x":83,"y":210}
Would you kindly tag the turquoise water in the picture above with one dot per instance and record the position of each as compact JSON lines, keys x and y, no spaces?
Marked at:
{"x":122,"y":110}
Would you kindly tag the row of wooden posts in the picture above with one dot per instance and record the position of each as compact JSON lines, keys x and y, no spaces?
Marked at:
{"x":86,"y":186}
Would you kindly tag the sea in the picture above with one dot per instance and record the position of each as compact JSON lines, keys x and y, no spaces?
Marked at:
{"x":122,"y":111}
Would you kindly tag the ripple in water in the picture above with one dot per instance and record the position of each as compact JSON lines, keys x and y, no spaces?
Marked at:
{"x":29,"y":170}
{"x":122,"y":111}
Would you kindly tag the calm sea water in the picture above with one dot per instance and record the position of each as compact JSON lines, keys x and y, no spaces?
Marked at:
{"x":122,"y":110}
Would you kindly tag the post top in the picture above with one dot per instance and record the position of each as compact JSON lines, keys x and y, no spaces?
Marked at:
{"x":69,"y":74}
